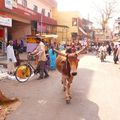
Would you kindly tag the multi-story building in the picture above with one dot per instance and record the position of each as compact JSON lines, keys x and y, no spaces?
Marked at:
{"x":116,"y":29}
{"x":88,"y":28}
{"x":19,"y":18}
{"x":100,"y":36}
{"x":71,"y":27}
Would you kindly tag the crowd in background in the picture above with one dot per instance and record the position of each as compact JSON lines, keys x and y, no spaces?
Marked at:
{"x":50,"y":60}
{"x":19,"y":47}
{"x":108,"y":49}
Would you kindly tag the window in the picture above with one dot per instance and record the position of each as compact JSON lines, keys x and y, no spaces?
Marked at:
{"x":24,"y":3}
{"x":74,"y":21}
{"x":15,"y":1}
{"x":35,"y":8}
{"x":48,"y":14}
{"x":43,"y":12}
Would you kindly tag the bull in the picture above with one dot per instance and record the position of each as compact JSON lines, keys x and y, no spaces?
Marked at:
{"x":67,"y":65}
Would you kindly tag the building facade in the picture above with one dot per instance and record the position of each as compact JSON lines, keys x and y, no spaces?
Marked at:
{"x":101,"y":37}
{"x":116,"y":29}
{"x":72,"y":26}
{"x":19,"y":18}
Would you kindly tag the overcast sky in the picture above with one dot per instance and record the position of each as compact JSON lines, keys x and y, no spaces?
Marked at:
{"x":86,"y":7}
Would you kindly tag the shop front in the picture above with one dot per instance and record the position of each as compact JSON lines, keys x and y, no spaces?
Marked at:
{"x":5,"y":23}
{"x":46,"y":25}
{"x":24,"y":22}
{"x":21,"y":20}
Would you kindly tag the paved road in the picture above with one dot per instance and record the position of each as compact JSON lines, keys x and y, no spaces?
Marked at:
{"x":95,"y":92}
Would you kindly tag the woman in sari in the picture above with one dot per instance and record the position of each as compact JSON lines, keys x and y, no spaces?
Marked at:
{"x":52,"y":58}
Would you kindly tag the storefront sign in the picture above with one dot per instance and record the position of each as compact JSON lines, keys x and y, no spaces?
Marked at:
{"x":8,"y":4}
{"x":6,"y":21}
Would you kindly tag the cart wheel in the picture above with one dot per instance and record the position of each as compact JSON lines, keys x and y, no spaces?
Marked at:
{"x":23,"y":73}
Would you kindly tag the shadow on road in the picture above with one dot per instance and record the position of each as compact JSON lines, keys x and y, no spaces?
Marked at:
{"x":81,"y":108}
{"x":44,"y":99}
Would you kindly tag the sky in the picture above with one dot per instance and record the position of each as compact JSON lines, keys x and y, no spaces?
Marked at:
{"x":87,"y":8}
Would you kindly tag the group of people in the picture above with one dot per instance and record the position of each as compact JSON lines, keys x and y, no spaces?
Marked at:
{"x":44,"y":57}
{"x":13,"y":50}
{"x":109,"y":49}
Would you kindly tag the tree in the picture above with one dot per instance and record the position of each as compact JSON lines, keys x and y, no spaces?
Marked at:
{"x":106,"y":12}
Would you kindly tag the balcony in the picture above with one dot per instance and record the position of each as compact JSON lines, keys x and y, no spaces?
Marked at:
{"x":52,"y":3}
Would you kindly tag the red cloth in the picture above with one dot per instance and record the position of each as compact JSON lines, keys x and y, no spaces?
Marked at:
{"x":1,"y":33}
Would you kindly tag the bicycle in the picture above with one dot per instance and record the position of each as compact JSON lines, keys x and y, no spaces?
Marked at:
{"x":25,"y":71}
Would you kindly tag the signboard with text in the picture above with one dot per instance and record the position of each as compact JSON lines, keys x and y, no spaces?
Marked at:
{"x":6,"y":21}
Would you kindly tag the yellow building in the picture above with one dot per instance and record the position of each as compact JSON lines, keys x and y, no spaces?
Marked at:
{"x":67,"y":25}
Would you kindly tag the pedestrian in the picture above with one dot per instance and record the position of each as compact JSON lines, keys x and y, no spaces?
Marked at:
{"x":22,"y":46}
{"x":15,"y":43}
{"x":118,"y":53}
{"x":11,"y":58}
{"x":40,"y":52}
{"x":73,"y":48}
{"x":16,"y":47}
{"x":52,"y":58}
{"x":109,"y":49}
{"x":61,"y":47}
{"x":103,"y":50}
{"x":115,"y":56}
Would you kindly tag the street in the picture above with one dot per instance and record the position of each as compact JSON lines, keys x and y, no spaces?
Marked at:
{"x":95,"y":94}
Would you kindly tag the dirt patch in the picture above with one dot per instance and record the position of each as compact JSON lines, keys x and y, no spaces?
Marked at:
{"x":7,"y":105}
{"x":7,"y":108}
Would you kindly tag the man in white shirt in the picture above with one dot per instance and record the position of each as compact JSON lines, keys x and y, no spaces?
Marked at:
{"x":40,"y":52}
{"x":11,"y":58}
{"x":103,"y":49}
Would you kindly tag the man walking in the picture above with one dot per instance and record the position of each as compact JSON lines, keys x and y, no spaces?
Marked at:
{"x":11,"y":58}
{"x":40,"y":52}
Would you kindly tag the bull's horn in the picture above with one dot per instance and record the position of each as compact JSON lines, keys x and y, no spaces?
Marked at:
{"x":79,"y":52}
{"x":83,"y":49}
{"x":59,"y":53}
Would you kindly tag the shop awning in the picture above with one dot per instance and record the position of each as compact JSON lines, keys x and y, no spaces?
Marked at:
{"x":82,"y":31}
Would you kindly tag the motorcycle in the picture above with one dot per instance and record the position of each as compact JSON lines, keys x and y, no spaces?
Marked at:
{"x":102,"y":55}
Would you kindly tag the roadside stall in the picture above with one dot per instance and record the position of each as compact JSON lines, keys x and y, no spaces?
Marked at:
{"x":31,"y":43}
{"x":50,"y":39}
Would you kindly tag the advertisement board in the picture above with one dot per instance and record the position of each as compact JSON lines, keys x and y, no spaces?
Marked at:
{"x":6,"y":21}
